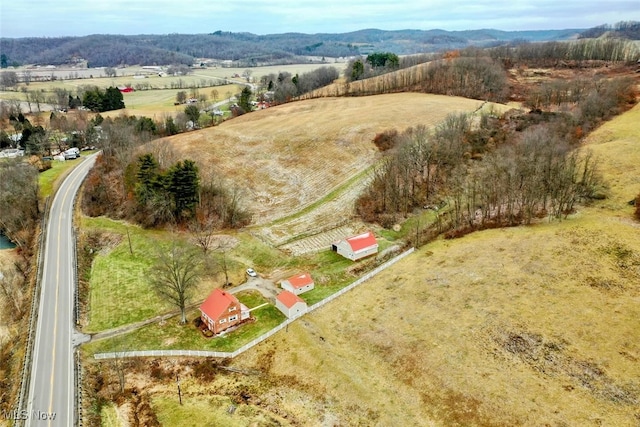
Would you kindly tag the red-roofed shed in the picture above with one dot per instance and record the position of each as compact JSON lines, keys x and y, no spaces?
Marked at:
{"x":290,"y":304}
{"x":298,"y":284}
{"x":357,"y":247}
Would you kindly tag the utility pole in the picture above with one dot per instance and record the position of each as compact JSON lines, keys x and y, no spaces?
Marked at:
{"x":129,"y":238}
{"x":179,"y":391}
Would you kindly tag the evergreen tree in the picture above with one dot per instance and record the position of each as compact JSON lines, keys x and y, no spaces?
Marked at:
{"x":358,"y":70}
{"x":92,"y":100}
{"x":112,"y":99}
{"x":183,"y":184}
{"x":245,"y":99}
{"x":193,"y":113}
{"x":149,"y":179}
{"x":170,"y":127}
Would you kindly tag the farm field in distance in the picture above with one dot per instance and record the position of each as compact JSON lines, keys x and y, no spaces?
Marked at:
{"x":159,"y":97}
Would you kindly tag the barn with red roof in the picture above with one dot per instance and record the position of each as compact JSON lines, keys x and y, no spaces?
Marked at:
{"x":357,"y":247}
{"x":222,"y":310}
{"x":290,"y":304}
{"x":298,"y":284}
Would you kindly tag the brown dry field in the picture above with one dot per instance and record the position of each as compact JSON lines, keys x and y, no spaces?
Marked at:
{"x":287,"y":157}
{"x":528,"y":326}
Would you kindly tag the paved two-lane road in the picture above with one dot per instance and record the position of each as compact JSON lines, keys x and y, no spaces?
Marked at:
{"x":51,"y":388}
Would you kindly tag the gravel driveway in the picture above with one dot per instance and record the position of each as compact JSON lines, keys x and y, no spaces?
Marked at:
{"x":266,"y":287}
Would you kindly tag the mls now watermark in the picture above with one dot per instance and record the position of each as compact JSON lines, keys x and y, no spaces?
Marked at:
{"x":26,"y":415}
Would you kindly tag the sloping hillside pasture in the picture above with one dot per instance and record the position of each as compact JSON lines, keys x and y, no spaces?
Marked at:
{"x":526,"y":326}
{"x":285,"y":158}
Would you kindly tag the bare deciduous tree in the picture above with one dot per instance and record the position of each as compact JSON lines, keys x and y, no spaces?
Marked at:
{"x":222,"y":246}
{"x":19,"y":202}
{"x":247,"y":75}
{"x":202,"y":229}
{"x":174,"y":276}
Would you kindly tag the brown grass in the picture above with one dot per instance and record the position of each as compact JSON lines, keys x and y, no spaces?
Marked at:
{"x":288,"y":157}
{"x":522,"y":326}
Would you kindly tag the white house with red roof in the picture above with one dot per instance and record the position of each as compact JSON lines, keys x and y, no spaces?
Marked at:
{"x":222,"y":310}
{"x":298,"y":284}
{"x":290,"y":304}
{"x":357,"y":247}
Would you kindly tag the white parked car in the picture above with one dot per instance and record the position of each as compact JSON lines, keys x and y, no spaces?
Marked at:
{"x":71,"y":153}
{"x":251,"y":272}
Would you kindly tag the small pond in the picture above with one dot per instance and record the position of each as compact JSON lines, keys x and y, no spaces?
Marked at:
{"x":6,"y":243}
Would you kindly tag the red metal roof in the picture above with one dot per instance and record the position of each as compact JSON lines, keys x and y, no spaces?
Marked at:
{"x":301,"y":280}
{"x":218,"y":303}
{"x":289,"y":299}
{"x":362,"y":241}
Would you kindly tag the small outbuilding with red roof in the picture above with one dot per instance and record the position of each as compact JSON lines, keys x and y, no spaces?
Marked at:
{"x":222,"y":310}
{"x":290,"y":304}
{"x":298,"y":284}
{"x":357,"y":247}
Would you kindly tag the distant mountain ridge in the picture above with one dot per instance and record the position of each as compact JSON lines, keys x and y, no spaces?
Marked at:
{"x":247,"y":49}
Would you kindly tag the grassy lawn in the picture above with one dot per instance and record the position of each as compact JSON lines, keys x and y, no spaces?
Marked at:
{"x":262,"y":256}
{"x":47,"y":179}
{"x":120,"y":289}
{"x":251,"y":299}
{"x":409,"y":226}
{"x":171,"y":335}
{"x":121,"y":293}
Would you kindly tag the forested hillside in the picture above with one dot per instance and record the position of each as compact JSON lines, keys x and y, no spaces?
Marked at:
{"x":626,"y":30}
{"x":247,"y":49}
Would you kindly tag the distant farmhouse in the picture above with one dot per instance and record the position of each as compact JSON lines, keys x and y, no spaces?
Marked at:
{"x":298,"y":284}
{"x":222,"y":310}
{"x":356,"y":247}
{"x":290,"y":304}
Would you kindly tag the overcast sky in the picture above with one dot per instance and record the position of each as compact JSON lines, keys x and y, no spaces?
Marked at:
{"x":36,"y":18}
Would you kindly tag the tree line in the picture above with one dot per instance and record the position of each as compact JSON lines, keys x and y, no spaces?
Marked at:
{"x":286,"y":86}
{"x":478,"y":78}
{"x":98,"y":100}
{"x":155,"y":188}
{"x":623,"y":29}
{"x":596,"y":99}
{"x":245,"y":49}
{"x":97,"y":50}
{"x":538,"y":174}
{"x":553,"y":54}
{"x":502,"y":171}
{"x":373,"y":65}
